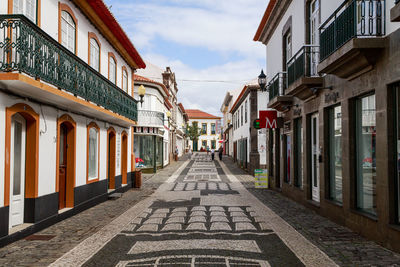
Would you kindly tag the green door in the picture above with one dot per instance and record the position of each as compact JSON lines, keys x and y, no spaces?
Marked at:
{"x":194,"y":145}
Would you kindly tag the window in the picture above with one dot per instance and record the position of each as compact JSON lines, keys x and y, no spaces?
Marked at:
{"x":397,"y":155}
{"x":245,"y":112}
{"x":204,"y":144}
{"x":204,"y":128}
{"x":335,"y":153}
{"x":68,"y":31}
{"x":93,"y":152}
{"x":112,"y":68}
{"x":366,"y":153}
{"x":298,"y":153}
{"x":241,"y":115}
{"x":94,"y":53}
{"x":213,"y":144}
{"x":212,"y":128}
{"x":288,"y":46}
{"x":25,"y":7}
{"x":124,"y":80}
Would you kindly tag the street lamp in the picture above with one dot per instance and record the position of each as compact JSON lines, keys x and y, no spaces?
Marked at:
{"x":142,"y":92}
{"x":262,"y":81}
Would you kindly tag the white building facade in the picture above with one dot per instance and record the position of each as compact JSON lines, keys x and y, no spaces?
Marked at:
{"x":66,"y":118}
{"x":209,"y":136}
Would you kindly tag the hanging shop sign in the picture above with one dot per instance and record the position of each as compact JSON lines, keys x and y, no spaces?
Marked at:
{"x":261,"y":178}
{"x":269,"y":119}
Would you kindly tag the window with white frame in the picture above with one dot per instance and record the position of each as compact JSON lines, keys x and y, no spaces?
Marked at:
{"x":68,"y":31}
{"x":94,"y":54}
{"x":25,"y":7}
{"x":113,"y":70}
{"x":93,"y":153}
{"x":125,"y":81}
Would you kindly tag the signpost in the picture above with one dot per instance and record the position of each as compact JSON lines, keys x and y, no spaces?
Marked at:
{"x":268,"y":119}
{"x":261,"y":178}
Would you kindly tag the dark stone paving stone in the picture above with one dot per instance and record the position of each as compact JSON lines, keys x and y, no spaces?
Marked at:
{"x":341,"y":244}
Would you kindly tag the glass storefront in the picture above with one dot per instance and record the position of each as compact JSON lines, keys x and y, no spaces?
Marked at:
{"x":335,"y":153}
{"x":366,"y":153}
{"x":148,"y":151}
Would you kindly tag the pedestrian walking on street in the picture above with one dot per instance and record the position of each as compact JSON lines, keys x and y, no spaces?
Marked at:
{"x":212,"y":153}
{"x":220,"y":151}
{"x":190,"y":153}
{"x":208,"y":150}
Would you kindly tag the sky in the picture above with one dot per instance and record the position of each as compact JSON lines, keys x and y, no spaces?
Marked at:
{"x":207,"y":43}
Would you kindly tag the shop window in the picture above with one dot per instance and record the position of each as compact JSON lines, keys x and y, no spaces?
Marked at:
{"x":288,"y":143}
{"x":335,"y":154}
{"x":212,"y":128}
{"x":213,"y":144}
{"x":204,"y":128}
{"x":93,"y":151}
{"x":298,"y":152}
{"x":144,"y":151}
{"x":366,"y":154}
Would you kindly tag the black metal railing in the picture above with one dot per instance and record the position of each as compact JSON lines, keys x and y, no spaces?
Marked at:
{"x":26,"y":48}
{"x":354,"y":18}
{"x":149,"y":117}
{"x":277,"y":85}
{"x":303,"y":64}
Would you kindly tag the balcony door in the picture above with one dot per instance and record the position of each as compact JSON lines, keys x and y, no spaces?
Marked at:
{"x":111,"y":140}
{"x":17,"y":170}
{"x":315,"y":157}
{"x":314,"y":34}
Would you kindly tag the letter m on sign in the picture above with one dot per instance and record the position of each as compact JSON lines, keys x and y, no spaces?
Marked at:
{"x":268,"y":119}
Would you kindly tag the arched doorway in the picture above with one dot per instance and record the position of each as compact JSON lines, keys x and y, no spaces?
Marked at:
{"x":21,"y":161}
{"x":65,"y":183}
{"x":111,"y":145}
{"x":124,"y":157}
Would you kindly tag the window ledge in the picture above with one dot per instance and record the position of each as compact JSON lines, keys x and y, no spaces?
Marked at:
{"x":365,"y":214}
{"x":314,"y":203}
{"x":333,"y":202}
{"x":395,"y":226}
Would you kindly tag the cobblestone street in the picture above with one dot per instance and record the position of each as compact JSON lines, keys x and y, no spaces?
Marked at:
{"x":198,"y":212}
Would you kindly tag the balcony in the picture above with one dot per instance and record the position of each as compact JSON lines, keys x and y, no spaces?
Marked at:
{"x":302,"y":72}
{"x":352,"y":38}
{"x":150,"y":118}
{"x":25,"y":48}
{"x":276,"y":88}
{"x":395,"y":11}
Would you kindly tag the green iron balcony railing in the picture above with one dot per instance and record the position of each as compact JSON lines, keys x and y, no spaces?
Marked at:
{"x":26,"y":48}
{"x":354,"y":18}
{"x":277,"y":85}
{"x":303,"y":64}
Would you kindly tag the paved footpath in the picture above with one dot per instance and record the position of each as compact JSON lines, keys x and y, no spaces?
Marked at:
{"x":204,"y":213}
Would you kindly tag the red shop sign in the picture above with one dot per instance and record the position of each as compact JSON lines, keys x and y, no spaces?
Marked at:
{"x":269,"y":119}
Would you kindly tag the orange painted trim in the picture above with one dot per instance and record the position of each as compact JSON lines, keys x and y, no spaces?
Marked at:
{"x":264,"y":19}
{"x":124,"y":157}
{"x":92,"y":125}
{"x":111,"y":55}
{"x":111,"y":183}
{"x":123,"y":69}
{"x":32,"y":154}
{"x":92,"y":35}
{"x":38,"y":9}
{"x":66,"y":8}
{"x":7,"y":76}
{"x":71,"y":158}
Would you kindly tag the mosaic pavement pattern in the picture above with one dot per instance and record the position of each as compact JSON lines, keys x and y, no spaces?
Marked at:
{"x":200,"y":217}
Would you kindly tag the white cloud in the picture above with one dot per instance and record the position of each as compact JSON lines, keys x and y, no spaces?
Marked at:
{"x":225,"y":27}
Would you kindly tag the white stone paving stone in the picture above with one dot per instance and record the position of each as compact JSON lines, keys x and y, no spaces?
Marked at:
{"x":137,"y":220}
{"x":199,"y":208}
{"x":161,"y":211}
{"x":180,"y":209}
{"x":219,"y":219}
{"x":197,"y":213}
{"x":178,"y":214}
{"x":202,"y":186}
{"x":158,"y":215}
{"x":235,"y":209}
{"x":212,"y":186}
{"x":172,"y":227}
{"x":223,"y":186}
{"x":264,"y":226}
{"x":153,"y":221}
{"x":148,"y":227}
{"x":176,"y":220}
{"x":218,"y":213}
{"x":238,"y":214}
{"x":197,"y":219}
{"x":217,"y":208}
{"x":244,"y":226}
{"x":197,"y":226}
{"x":221,"y":226}
{"x":240,"y":219}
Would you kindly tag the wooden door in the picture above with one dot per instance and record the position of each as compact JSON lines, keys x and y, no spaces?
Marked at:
{"x":111,"y":159}
{"x":62,"y":169}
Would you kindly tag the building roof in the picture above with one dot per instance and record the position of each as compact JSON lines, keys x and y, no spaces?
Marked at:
{"x":264,"y":19}
{"x":99,"y":14}
{"x":251,"y":84}
{"x":198,"y":114}
{"x":139,"y":79}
